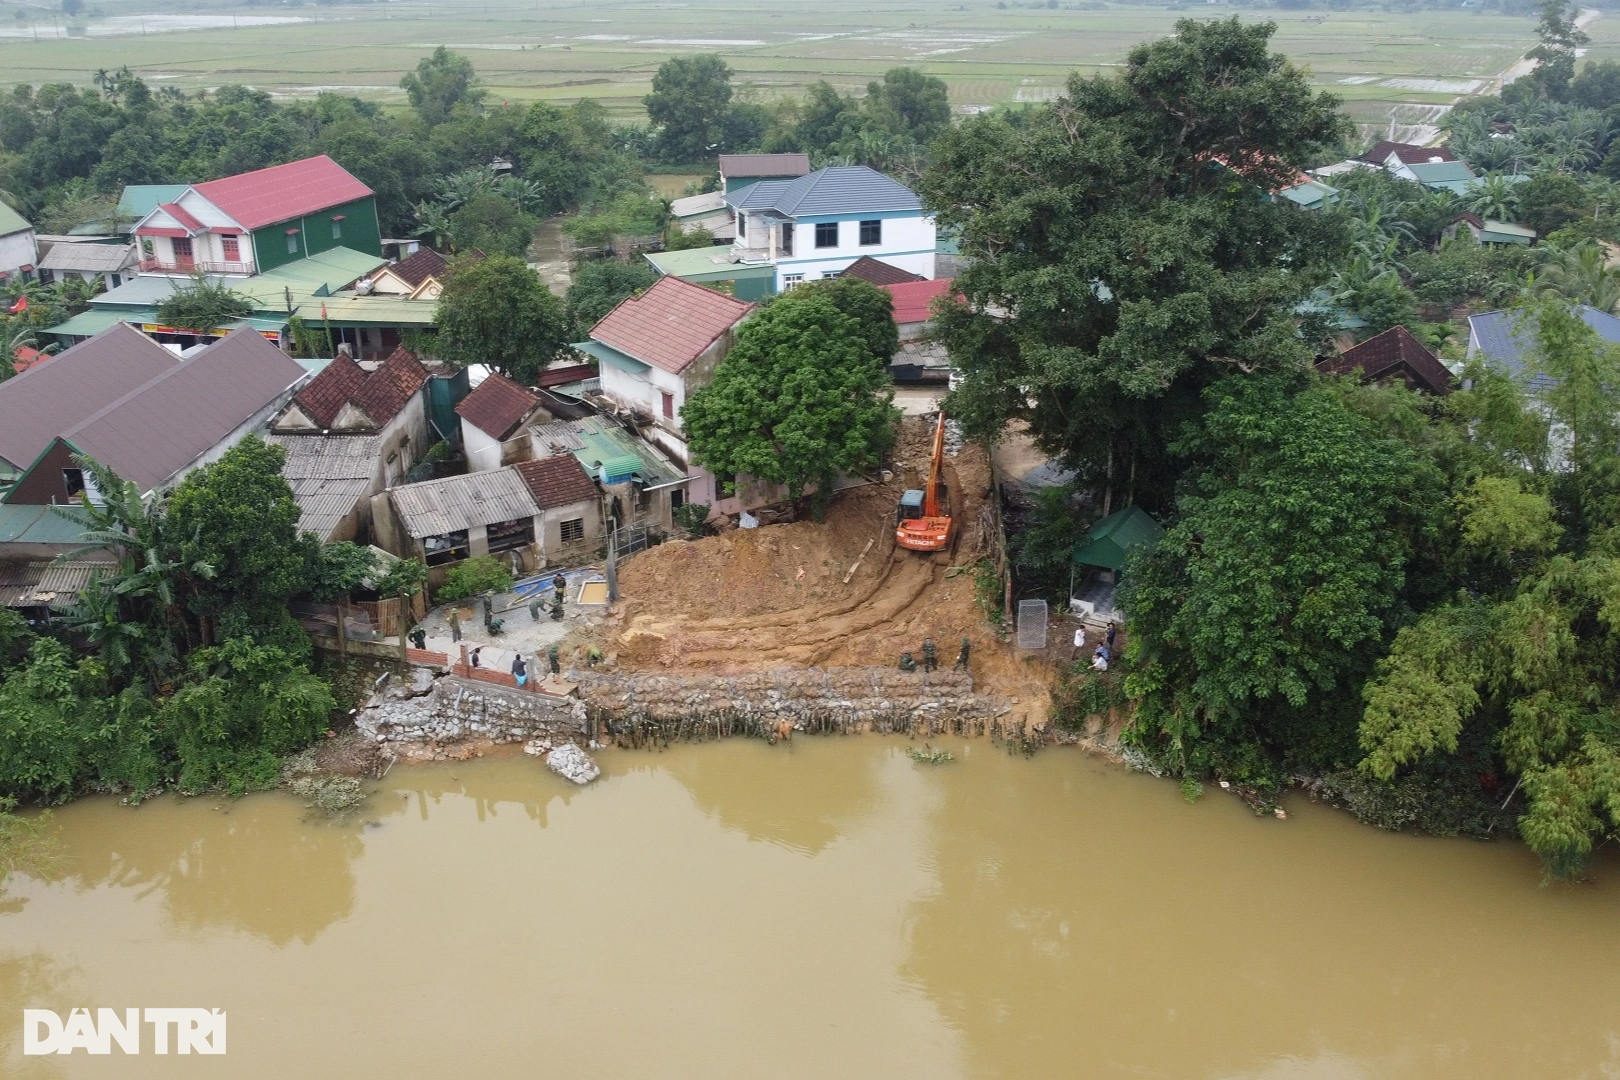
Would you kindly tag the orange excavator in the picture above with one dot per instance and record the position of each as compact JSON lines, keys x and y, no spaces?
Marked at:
{"x":919,"y":524}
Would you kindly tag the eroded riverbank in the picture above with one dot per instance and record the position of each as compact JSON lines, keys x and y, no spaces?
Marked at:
{"x":820,"y":908}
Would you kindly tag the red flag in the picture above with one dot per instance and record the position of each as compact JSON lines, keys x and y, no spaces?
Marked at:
{"x":20,"y":306}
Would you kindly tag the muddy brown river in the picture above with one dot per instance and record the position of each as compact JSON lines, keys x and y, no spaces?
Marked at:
{"x":828,"y":909}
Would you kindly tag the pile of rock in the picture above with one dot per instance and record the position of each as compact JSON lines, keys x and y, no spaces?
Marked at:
{"x":450,"y":709}
{"x":571,"y":763}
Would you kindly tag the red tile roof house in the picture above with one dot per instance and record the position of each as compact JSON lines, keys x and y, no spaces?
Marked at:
{"x":494,"y":420}
{"x":570,"y":520}
{"x":1394,"y":354}
{"x":257,"y":221}
{"x":655,"y":349}
{"x":351,"y":431}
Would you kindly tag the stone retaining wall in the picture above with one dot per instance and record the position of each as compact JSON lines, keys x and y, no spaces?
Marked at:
{"x":644,"y":706}
{"x":455,"y":709}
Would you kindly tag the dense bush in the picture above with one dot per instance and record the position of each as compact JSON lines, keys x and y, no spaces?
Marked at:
{"x":478,"y":575}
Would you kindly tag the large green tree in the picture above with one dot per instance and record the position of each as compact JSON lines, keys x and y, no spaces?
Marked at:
{"x":601,"y":285}
{"x":1121,"y":250}
{"x":440,"y":83}
{"x":688,"y":103}
{"x":497,"y":311}
{"x":800,"y":398}
{"x":909,"y":103}
{"x":1271,"y":594}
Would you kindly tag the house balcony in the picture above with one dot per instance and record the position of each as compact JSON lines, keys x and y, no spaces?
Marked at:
{"x":189,"y":266}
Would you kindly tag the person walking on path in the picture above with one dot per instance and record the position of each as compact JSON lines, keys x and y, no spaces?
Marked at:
{"x":962,"y":656}
{"x":419,"y":638}
{"x":1079,"y":643}
{"x":455,"y":623}
{"x":475,"y":653}
{"x":535,"y":604}
{"x":930,"y":655}
{"x":519,"y":671}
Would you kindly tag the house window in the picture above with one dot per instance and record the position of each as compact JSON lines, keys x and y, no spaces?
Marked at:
{"x":572,"y":530}
{"x":182,"y":251}
{"x":677,"y":498}
{"x":73,"y":481}
{"x":790,"y":280}
{"x":826,"y":234}
{"x":787,"y":238}
{"x":669,"y":405}
{"x":506,"y":535}
{"x":447,"y":548}
{"x":231,"y":247}
{"x":292,"y":241}
{"x":871,"y":232}
{"x":337,"y":228}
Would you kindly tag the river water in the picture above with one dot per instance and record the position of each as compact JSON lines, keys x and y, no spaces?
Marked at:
{"x":822,"y":909}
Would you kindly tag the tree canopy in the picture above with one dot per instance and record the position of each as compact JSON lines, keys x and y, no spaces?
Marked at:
{"x":799,"y":398}
{"x":1122,"y":252}
{"x":497,"y":311}
{"x":688,"y":104}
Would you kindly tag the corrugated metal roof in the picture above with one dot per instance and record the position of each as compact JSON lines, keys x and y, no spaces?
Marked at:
{"x":33,"y":524}
{"x":837,"y":190}
{"x":48,"y":399}
{"x":329,"y":457}
{"x":436,"y":507}
{"x":155,"y":431}
{"x":707,"y":264}
{"x":92,"y":322}
{"x":283,"y":192}
{"x":45,"y":582}
{"x":88,"y":258}
{"x":138,"y":200}
{"x":11,"y":221}
{"x":374,"y":310}
{"x":608,"y":452}
{"x":324,"y":504}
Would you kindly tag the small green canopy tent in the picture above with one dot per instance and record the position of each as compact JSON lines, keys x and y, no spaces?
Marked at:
{"x":1112,"y":540}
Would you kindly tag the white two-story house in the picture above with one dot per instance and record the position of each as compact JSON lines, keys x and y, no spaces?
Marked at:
{"x":815,"y":226}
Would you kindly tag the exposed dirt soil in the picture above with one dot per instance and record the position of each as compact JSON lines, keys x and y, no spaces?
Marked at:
{"x":776,"y":596}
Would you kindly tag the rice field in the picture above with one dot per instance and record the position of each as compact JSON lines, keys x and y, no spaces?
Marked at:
{"x":564,"y":50}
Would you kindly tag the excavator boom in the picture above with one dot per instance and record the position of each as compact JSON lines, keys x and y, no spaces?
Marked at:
{"x":931,"y":529}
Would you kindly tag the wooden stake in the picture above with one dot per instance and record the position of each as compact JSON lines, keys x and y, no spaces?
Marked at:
{"x":856,"y":565}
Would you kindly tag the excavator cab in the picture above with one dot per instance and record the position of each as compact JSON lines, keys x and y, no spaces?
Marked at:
{"x":911,"y":506}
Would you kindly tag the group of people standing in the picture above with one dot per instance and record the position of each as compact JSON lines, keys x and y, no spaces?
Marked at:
{"x":1103,"y":653}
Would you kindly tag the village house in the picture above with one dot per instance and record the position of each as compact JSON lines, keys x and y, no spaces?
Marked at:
{"x":740,"y":170}
{"x":18,"y":253}
{"x":570,"y":525}
{"x":419,"y":276}
{"x":1508,"y":339}
{"x":533,"y":514}
{"x":47,"y":399}
{"x":110,"y":264}
{"x":256,"y":221}
{"x":642,"y":488}
{"x":1393,"y":355}
{"x":655,"y":349}
{"x":1482,"y":231}
{"x":183,"y":418}
{"x":493,"y":418}
{"x":815,"y":226}
{"x":349,"y":433}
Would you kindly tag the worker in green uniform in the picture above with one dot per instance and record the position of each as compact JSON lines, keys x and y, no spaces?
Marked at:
{"x":907,"y":663}
{"x":930,"y":655}
{"x":551,"y":658}
{"x":962,"y":656}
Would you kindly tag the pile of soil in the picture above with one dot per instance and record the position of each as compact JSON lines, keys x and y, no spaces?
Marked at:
{"x":776,"y":596}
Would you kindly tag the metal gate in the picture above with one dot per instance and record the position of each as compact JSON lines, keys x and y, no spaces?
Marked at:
{"x":1032,"y":624}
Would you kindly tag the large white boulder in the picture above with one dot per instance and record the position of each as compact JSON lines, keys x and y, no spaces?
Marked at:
{"x":572,"y":763}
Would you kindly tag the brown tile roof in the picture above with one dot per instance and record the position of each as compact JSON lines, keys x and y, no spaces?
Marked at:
{"x":160,"y":428}
{"x":497,"y":405}
{"x":387,"y":389}
{"x":671,"y":324}
{"x":737,"y":166}
{"x":425,"y":263}
{"x":1410,"y":154}
{"x":557,"y":481}
{"x":1394,"y":353}
{"x":381,"y":393}
{"x":324,"y":396}
{"x":879,"y":272}
{"x":564,"y":375}
{"x":39,"y":404}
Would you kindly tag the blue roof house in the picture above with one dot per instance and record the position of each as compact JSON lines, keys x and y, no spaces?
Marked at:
{"x":1508,"y":338}
{"x":816,"y":225}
